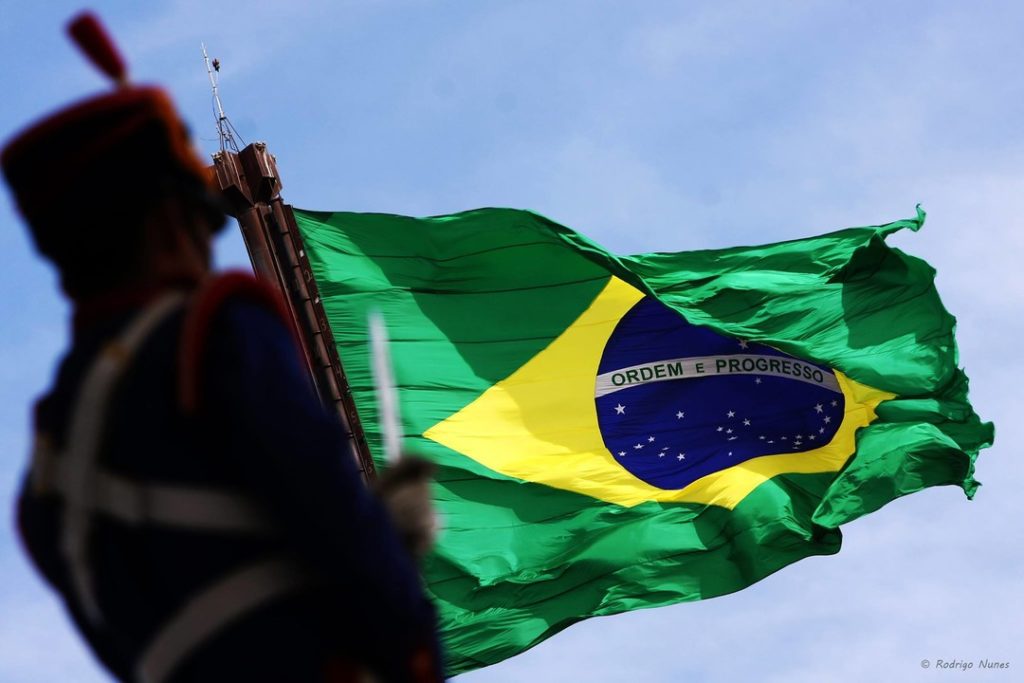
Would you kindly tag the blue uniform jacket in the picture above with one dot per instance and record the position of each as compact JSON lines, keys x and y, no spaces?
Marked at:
{"x":259,"y":431}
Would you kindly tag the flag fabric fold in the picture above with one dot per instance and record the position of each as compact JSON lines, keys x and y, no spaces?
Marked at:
{"x":615,"y":433}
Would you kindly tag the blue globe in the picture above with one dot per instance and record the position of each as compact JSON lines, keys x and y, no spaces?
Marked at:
{"x":676,"y":401}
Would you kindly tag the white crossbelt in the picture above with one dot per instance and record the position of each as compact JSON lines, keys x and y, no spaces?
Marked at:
{"x":214,"y":608}
{"x":88,"y":420}
{"x":136,"y":504}
{"x":87,"y":490}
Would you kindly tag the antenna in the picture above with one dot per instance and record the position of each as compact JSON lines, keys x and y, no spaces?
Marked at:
{"x":226,"y":132}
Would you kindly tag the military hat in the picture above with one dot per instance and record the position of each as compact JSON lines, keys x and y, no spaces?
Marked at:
{"x":110,"y":155}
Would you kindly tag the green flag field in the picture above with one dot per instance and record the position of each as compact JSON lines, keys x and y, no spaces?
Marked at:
{"x":622,"y":432}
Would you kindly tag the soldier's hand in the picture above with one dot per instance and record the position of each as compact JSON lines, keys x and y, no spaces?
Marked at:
{"x":405,"y":490}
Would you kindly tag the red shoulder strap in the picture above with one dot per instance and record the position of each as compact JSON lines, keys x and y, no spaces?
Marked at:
{"x":199,"y":316}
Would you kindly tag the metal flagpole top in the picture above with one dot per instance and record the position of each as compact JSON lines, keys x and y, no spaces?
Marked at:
{"x":226,"y":133}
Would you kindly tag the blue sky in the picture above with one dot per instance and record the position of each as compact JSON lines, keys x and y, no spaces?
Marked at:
{"x":647,"y":126}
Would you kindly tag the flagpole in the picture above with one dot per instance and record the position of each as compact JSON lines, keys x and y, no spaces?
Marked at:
{"x":249,"y":182}
{"x":251,"y":186}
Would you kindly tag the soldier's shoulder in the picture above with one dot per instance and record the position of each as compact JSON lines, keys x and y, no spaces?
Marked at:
{"x":230,"y":317}
{"x":225,"y":295}
{"x":228,"y":300}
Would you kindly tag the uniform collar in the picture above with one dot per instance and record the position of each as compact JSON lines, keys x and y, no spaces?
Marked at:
{"x":114,"y":304}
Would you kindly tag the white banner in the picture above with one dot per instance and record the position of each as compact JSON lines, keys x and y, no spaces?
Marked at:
{"x":715,"y":366}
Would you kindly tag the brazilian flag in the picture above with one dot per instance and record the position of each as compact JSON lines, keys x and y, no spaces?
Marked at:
{"x":615,"y":433}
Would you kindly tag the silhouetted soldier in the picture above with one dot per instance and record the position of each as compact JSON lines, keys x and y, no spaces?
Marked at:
{"x":197,"y":509}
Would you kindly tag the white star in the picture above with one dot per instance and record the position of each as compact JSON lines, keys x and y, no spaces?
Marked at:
{"x":761,"y":437}
{"x":650,"y":439}
{"x":620,"y":409}
{"x":827,"y":419}
{"x":731,"y":413}
{"x":771,"y":440}
{"x":622,"y":454}
{"x":783,"y":438}
{"x":638,"y":446}
{"x":746,"y":423}
{"x":757,"y":380}
{"x":743,"y":344}
{"x":729,"y":430}
{"x":680,"y":415}
{"x":821,"y":430}
{"x":730,"y":452}
{"x":661,"y":455}
{"x":818,"y":408}
{"x":681,"y":456}
{"x":835,"y":403}
{"x":733,"y":438}
{"x":664,"y":448}
{"x":719,"y":429}
{"x":812,"y":437}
